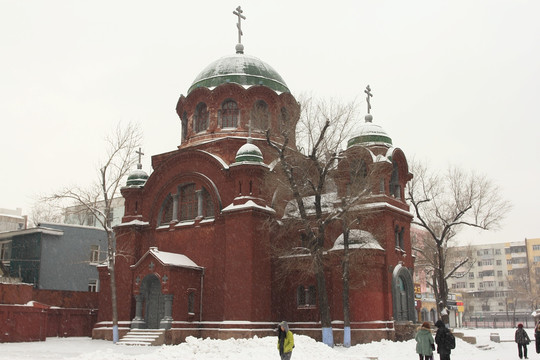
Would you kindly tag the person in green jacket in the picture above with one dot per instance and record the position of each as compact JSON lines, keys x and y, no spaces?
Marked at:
{"x":424,"y":342}
{"x":285,"y":342}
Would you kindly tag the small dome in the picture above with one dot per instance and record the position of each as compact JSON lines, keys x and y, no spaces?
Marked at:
{"x":240,"y":69}
{"x":249,"y":152}
{"x":137,"y":178}
{"x":370,"y":133}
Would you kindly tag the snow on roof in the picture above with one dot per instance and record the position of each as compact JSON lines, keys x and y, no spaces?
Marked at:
{"x":220,"y":160}
{"x":358,"y":239}
{"x":327,"y":204}
{"x":134,"y":222}
{"x":250,"y":204}
{"x":48,"y":231}
{"x":172,"y":259}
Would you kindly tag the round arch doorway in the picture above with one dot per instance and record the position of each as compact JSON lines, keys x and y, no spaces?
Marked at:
{"x":153,"y":306}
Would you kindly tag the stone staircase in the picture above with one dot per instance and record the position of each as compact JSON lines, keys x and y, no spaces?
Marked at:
{"x":143,"y":337}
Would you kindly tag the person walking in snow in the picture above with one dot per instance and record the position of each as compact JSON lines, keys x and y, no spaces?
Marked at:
{"x":522,"y":340}
{"x":445,"y":340}
{"x":424,"y":342}
{"x":285,"y":342}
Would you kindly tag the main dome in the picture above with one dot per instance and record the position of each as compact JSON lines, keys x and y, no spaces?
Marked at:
{"x":240,"y":69}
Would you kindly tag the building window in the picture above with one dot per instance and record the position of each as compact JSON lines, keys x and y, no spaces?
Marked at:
{"x":229,"y":114}
{"x":200,"y":118}
{"x":501,"y":283}
{"x":306,"y":296}
{"x":208,"y":204}
{"x":92,"y":285}
{"x":94,"y":254}
{"x":5,"y":250}
{"x":166,"y":213}
{"x":497,"y":251}
{"x":471,"y":285}
{"x":536,"y":259}
{"x":499,"y":273}
{"x":395,"y":188}
{"x":471,"y":275}
{"x":188,"y":202}
{"x":536,"y":247}
{"x":260,"y":117}
{"x":499,"y":262}
{"x":191,"y":303}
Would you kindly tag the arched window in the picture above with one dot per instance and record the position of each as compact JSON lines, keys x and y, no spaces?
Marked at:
{"x":358,"y":175}
{"x":184,"y":120}
{"x":208,"y":204}
{"x":260,"y":117}
{"x":200,"y":118}
{"x":284,"y":120}
{"x":229,"y":114}
{"x":188,"y":202}
{"x":166,"y":212}
{"x":395,"y":189}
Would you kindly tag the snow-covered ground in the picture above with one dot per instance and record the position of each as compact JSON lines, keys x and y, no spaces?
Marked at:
{"x":259,"y":348}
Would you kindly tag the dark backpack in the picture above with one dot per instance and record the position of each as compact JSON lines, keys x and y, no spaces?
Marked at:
{"x":449,"y":340}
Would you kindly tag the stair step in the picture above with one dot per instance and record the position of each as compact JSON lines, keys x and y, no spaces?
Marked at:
{"x":143,"y":337}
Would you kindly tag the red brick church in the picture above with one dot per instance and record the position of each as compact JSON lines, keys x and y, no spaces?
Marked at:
{"x":193,"y":250}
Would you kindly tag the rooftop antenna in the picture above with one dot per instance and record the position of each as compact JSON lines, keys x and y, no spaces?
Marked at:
{"x":140,"y":153}
{"x":369,"y":95}
{"x":238,"y":12}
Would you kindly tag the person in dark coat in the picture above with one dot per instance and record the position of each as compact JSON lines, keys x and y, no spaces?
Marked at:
{"x":424,"y":342}
{"x":537,"y":337}
{"x":442,"y":348}
{"x":522,"y":340}
{"x":285,"y":342}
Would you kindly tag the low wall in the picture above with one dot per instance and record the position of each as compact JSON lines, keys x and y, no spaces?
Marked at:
{"x":36,"y":323}
{"x":28,"y":314}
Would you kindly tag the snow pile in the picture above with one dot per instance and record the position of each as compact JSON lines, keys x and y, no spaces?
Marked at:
{"x":257,"y":348}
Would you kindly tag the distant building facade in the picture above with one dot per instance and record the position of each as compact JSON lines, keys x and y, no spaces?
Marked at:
{"x":54,"y":256}
{"x":502,"y":282}
{"x":80,"y":215}
{"x":12,"y":220}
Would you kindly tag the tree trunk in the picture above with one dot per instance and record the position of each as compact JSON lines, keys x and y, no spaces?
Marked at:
{"x":346,"y":304}
{"x":324,"y":308}
{"x":112,"y":273}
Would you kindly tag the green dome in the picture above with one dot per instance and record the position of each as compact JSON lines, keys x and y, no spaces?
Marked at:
{"x":249,"y":152}
{"x":370,"y":134}
{"x":137,"y":178}
{"x":239,"y":69}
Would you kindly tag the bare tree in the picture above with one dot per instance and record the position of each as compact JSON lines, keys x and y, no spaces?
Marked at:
{"x":445,"y":204}
{"x":44,"y":212}
{"x":322,"y":129}
{"x":98,"y":198}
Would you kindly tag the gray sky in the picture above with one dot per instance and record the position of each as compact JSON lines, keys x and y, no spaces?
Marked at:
{"x":454,"y":82}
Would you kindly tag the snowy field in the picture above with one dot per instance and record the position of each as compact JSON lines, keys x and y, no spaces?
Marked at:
{"x":260,"y":348}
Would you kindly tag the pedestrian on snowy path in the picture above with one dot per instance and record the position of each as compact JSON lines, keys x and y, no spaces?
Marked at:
{"x":522,"y":340}
{"x":445,"y":340}
{"x":424,"y":342}
{"x":285,"y":342}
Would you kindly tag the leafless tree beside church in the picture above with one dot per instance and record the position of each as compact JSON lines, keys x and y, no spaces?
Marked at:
{"x":97,"y":198}
{"x":306,"y":178}
{"x":444,"y":204}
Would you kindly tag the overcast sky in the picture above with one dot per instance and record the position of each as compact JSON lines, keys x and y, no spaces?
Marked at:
{"x":454,"y":82}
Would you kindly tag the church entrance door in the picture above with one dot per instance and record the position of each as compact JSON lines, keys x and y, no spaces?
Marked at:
{"x":153,"y":304}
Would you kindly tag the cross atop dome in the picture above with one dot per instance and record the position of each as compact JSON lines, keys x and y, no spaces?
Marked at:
{"x":238,"y":12}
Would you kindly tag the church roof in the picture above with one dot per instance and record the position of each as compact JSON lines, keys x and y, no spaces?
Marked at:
{"x":170,"y":259}
{"x":249,"y":152}
{"x":370,"y":134}
{"x":240,"y":69}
